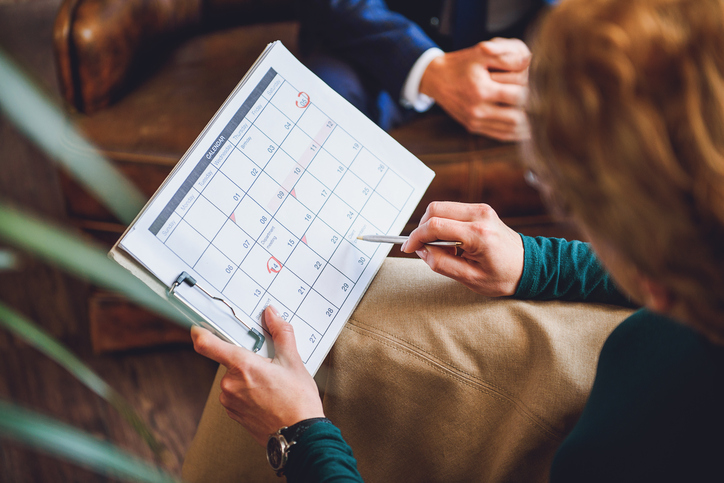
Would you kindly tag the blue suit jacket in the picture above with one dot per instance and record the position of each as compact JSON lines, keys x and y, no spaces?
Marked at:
{"x":381,"y":39}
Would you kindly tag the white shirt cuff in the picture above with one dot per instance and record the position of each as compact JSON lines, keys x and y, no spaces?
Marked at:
{"x":411,"y":96}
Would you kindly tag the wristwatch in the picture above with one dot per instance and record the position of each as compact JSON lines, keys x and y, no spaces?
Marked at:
{"x":279,"y":443}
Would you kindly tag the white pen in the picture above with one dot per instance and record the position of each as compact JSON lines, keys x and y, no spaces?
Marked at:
{"x":403,"y":239}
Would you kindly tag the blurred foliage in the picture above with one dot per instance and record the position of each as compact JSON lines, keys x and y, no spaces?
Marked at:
{"x":40,"y":340}
{"x":8,"y":260}
{"x":53,"y":437}
{"x":48,"y":127}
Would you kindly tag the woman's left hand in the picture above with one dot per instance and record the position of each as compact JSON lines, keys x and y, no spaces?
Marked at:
{"x":263,"y":394}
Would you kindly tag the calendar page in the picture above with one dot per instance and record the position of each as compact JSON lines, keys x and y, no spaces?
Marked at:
{"x":266,"y":206}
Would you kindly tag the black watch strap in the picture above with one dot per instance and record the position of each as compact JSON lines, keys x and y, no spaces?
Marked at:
{"x":295,"y":431}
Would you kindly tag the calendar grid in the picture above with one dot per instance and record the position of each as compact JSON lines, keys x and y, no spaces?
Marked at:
{"x":201,"y":166}
{"x":266,"y":137}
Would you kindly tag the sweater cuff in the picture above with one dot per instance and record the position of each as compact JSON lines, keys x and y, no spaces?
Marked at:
{"x":531,"y":268}
{"x":322,"y":454}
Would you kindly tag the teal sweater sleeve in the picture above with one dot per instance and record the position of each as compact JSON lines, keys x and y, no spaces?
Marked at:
{"x":322,"y":455}
{"x":555,"y":268}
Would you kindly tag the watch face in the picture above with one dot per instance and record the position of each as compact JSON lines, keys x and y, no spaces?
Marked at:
{"x":274,"y":452}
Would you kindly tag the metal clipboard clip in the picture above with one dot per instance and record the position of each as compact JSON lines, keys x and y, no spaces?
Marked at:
{"x":191,"y":282}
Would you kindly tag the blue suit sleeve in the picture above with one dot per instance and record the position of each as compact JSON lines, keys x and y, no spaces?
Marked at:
{"x":366,"y":33}
{"x":567,"y":270}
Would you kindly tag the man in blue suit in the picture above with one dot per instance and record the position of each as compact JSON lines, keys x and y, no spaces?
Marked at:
{"x":392,"y":59}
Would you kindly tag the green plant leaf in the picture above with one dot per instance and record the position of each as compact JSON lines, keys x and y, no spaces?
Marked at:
{"x":37,"y":116}
{"x":40,"y":340}
{"x":62,"y":440}
{"x":80,"y":257}
{"x":8,"y":260}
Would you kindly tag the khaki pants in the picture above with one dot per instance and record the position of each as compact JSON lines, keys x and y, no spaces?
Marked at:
{"x":431,"y":382}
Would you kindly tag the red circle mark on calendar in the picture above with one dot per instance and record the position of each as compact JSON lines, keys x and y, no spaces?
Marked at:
{"x":274,"y":265}
{"x":302,"y":100}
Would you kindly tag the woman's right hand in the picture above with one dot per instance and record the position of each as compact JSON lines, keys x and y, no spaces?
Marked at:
{"x":491,"y":262}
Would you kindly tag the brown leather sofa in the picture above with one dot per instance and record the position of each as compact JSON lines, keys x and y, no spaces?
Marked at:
{"x":141,"y":79}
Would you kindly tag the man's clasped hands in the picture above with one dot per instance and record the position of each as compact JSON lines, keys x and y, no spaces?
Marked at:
{"x":483,"y":87}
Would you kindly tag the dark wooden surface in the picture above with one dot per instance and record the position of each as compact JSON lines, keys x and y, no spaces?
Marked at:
{"x":168,"y":386}
{"x":116,"y":324}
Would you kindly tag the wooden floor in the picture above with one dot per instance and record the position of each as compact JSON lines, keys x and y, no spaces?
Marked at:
{"x":167,"y":386}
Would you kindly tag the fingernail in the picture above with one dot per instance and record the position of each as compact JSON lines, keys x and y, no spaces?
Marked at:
{"x":493,"y":47}
{"x":274,"y":309}
{"x":422,"y":253}
{"x":404,"y":245}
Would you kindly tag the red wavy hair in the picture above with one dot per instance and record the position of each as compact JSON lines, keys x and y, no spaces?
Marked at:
{"x":627,"y":115}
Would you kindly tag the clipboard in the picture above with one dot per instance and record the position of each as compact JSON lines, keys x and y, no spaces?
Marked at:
{"x":194,"y":316}
{"x":266,"y":206}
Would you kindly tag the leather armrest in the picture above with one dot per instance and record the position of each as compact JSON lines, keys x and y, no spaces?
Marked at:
{"x":98,"y":43}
